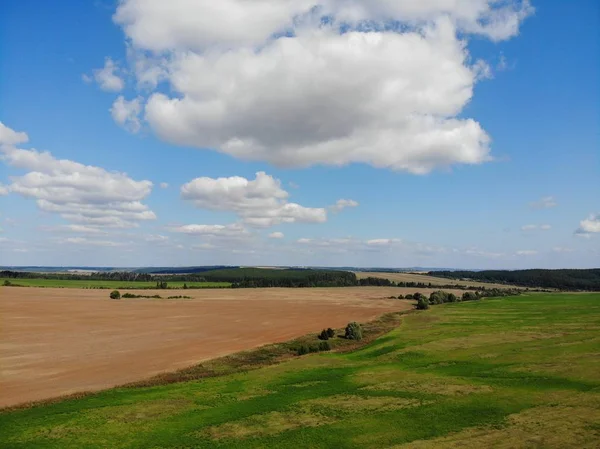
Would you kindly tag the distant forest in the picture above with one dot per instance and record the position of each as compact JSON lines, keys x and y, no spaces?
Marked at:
{"x":586,"y":280}
{"x":239,"y":277}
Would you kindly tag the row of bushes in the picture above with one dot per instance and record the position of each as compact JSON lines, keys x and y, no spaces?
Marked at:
{"x":115,"y":294}
{"x":441,"y":297}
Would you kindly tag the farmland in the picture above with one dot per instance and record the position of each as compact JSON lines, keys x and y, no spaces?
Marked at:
{"x":427,"y":279}
{"x":60,"y":341}
{"x":511,"y":372}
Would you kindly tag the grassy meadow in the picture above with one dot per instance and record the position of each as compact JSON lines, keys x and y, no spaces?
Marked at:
{"x":510,"y":372}
{"x":71,"y":283}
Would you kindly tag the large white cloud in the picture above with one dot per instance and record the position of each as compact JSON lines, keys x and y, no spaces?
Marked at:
{"x":82,"y":194}
{"x":270,"y":80}
{"x":260,"y":202}
{"x":199,"y":24}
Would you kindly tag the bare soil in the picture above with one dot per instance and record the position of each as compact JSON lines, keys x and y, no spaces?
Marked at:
{"x":55,"y":342}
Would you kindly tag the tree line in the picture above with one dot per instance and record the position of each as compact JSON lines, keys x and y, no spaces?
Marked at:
{"x":564,"y":279}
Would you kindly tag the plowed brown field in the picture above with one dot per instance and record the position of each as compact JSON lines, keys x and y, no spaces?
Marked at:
{"x":59,"y":341}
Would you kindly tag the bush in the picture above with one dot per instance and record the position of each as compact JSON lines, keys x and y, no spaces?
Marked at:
{"x":422,"y":304}
{"x":313,"y":348}
{"x":324,"y":346}
{"x":330,"y":332}
{"x":452,"y":297}
{"x":7,"y":283}
{"x":470,"y":296}
{"x":353,"y":331}
{"x":418,"y":296}
{"x":302,"y":350}
{"x":323,"y":335}
{"x":438,"y":297}
{"x":400,"y":297}
{"x":115,"y":294}
{"x":409,"y":296}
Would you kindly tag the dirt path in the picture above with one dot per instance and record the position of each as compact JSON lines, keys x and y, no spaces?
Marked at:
{"x":60,"y":341}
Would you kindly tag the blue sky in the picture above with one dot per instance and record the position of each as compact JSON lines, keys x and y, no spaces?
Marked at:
{"x":464,"y":137}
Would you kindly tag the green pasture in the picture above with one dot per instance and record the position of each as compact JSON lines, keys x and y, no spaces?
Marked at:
{"x":508,"y":373}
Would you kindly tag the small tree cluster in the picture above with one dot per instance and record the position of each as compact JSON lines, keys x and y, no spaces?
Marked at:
{"x":326,"y":334}
{"x":353,"y":331}
{"x":422,"y":304}
{"x":161,"y":285}
{"x":470,"y":296}
{"x":115,"y":294}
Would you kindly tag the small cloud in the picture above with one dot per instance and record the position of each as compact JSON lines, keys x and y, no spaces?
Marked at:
{"x":107,"y":77}
{"x":382,"y":242}
{"x":482,"y":70}
{"x":546,"y":202}
{"x":304,"y":241}
{"x":3,"y":190}
{"x":126,"y":113}
{"x":164,"y":185}
{"x":533,"y":227}
{"x":343,"y":204}
{"x":276,"y":235}
{"x":560,"y":249}
{"x":526,"y":252}
{"x":156,"y":238}
{"x":591,"y":225}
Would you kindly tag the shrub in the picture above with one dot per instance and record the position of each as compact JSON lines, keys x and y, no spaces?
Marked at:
{"x":409,"y":296}
{"x":418,"y":296}
{"x":115,"y":294}
{"x":400,"y":297}
{"x":353,"y":331}
{"x":323,"y":335}
{"x":422,"y":304}
{"x":452,"y":297}
{"x":313,"y":348}
{"x":7,"y":283}
{"x":302,"y":350}
{"x":330,"y":332}
{"x":470,"y":296}
{"x":324,"y":346}
{"x":438,"y":297}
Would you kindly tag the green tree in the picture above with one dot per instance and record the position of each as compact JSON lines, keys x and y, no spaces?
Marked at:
{"x":422,"y":304}
{"x":324,"y":335}
{"x":354,"y":331}
{"x":115,"y":294}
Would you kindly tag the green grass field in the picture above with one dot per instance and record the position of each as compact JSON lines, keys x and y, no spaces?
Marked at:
{"x":508,"y":373}
{"x":58,"y":283}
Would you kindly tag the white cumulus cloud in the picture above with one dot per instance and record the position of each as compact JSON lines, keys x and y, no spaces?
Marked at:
{"x":343,"y":204}
{"x":589,"y":226}
{"x":276,"y":235}
{"x":126,"y":113}
{"x":107,"y":77}
{"x":82,"y":194}
{"x":260,"y":202}
{"x":268,"y":79}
